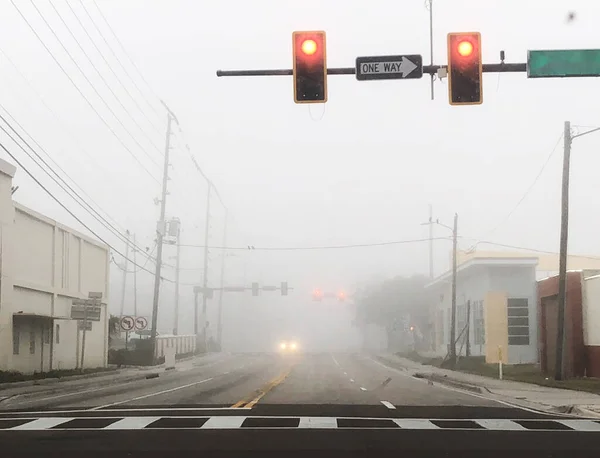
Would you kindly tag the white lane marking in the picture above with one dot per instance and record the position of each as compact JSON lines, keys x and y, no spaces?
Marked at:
{"x":468,"y":393}
{"x":107,"y":387}
{"x":157,"y":393}
{"x":581,"y":425}
{"x":223,"y":422}
{"x":388,"y":404}
{"x":362,"y":388}
{"x":352,"y":380}
{"x":317,"y":422}
{"x":414,"y":423}
{"x":504,"y":425}
{"x":132,"y":423}
{"x":41,"y":423}
{"x":335,"y":360}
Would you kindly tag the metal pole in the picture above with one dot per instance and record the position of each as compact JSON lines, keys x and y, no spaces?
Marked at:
{"x":176,"y":308}
{"x":220,"y":315}
{"x":205,"y":274}
{"x":430,"y":2}
{"x":159,"y":237}
{"x":134,"y":279}
{"x":85,"y":310}
{"x":453,"y":319}
{"x":562,"y":268}
{"x":468,"y":328}
{"x":196,"y":317}
{"x":430,"y":241}
{"x":125,"y":273}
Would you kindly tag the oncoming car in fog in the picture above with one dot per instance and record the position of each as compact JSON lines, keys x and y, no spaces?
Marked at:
{"x":288,"y":346}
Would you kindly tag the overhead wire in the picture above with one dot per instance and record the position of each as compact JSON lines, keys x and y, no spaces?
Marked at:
{"x":60,"y":181}
{"x":39,"y":38}
{"x":108,"y":86}
{"x":110,"y":67}
{"x":59,"y":202}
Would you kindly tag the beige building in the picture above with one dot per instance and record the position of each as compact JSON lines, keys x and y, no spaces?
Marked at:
{"x":44,"y":265}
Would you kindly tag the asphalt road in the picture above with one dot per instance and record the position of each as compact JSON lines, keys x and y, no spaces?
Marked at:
{"x":253,"y":381}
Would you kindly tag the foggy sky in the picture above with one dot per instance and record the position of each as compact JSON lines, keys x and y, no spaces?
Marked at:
{"x":360,"y":169}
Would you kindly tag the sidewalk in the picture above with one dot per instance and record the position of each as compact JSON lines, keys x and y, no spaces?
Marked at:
{"x":537,"y":397}
{"x":126,"y":374}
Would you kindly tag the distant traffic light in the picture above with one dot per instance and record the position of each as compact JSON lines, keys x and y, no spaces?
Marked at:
{"x":341,"y":296}
{"x":255,"y":289}
{"x":465,"y":69}
{"x":309,"y":67}
{"x":284,"y":288}
{"x":317,"y":295}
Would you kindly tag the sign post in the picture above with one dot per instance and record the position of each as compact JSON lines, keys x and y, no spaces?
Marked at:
{"x":86,"y":310}
{"x":409,"y":66}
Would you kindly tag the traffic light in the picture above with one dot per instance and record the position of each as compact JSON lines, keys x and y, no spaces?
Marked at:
{"x":310,"y":67}
{"x":341,"y":296}
{"x":284,"y":288}
{"x":317,"y":295}
{"x":465,"y":70}
{"x":255,"y":289}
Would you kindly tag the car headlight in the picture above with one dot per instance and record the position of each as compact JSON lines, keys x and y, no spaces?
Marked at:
{"x":283,"y":345}
{"x":293,"y":346}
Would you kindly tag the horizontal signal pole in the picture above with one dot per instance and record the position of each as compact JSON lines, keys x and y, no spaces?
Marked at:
{"x":430,"y":69}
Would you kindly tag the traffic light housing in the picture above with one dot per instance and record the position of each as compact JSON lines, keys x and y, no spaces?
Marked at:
{"x":284,"y":288}
{"x":465,"y":68}
{"x":255,"y":289}
{"x":309,"y":67}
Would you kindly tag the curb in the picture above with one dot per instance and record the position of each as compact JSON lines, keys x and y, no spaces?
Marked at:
{"x":445,"y":380}
{"x":52,"y":380}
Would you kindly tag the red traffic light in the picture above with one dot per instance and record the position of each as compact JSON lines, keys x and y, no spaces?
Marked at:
{"x":309,"y":47}
{"x":342,"y":296}
{"x":309,"y":67}
{"x":465,"y":48}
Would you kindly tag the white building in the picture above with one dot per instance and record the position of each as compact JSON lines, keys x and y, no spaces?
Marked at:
{"x":44,"y":265}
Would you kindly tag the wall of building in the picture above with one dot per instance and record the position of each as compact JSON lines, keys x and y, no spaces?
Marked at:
{"x":591,"y":323}
{"x":44,"y":266}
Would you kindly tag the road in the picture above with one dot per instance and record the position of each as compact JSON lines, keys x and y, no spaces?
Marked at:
{"x":256,"y":380}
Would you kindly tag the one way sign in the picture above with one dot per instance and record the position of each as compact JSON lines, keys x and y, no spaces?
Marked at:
{"x":409,"y":66}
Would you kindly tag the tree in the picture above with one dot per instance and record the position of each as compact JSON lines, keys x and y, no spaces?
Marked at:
{"x":392,"y":303}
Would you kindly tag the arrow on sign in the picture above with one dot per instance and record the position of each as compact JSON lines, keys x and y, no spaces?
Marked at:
{"x":406,"y":66}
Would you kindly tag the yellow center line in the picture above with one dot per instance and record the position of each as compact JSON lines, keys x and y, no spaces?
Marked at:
{"x":264,"y":390}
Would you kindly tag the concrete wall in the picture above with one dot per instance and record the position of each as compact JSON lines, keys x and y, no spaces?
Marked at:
{"x":44,"y":266}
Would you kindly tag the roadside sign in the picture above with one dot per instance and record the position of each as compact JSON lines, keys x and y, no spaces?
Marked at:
{"x":78,"y":312}
{"x":95,"y":295}
{"x":127,"y":323}
{"x":81,"y":327}
{"x":408,"y":66}
{"x":562,"y":63}
{"x":141,"y":323}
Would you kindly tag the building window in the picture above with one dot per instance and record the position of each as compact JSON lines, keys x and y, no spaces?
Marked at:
{"x":518,"y":322}
{"x":46,"y":333}
{"x":16,"y":340}
{"x":58,"y":333}
{"x":478,"y":323}
{"x":32,"y":342}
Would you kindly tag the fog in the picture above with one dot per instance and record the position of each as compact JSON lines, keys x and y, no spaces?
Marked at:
{"x":361,"y":169}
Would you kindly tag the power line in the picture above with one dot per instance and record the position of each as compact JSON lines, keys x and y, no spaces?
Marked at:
{"x":92,"y":84}
{"x":158,"y":129}
{"x":47,"y":169}
{"x":529,"y":189}
{"x":82,"y":94}
{"x":102,"y":77}
{"x":57,"y":200}
{"x":322,"y":247}
{"x":124,"y":52}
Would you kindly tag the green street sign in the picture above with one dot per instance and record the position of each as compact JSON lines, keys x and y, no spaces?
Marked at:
{"x":561,"y":63}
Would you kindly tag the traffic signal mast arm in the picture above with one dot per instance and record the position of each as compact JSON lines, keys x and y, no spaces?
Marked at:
{"x":502,"y":67}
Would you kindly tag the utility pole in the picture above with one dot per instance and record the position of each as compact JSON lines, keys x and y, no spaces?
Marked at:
{"x":205,"y":275}
{"x":160,"y":234}
{"x":468,"y":351}
{"x":220,"y":315}
{"x":176,"y":307}
{"x":562,"y":267}
{"x":135,"y":311}
{"x":453,"y":318}
{"x":123,"y":286}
